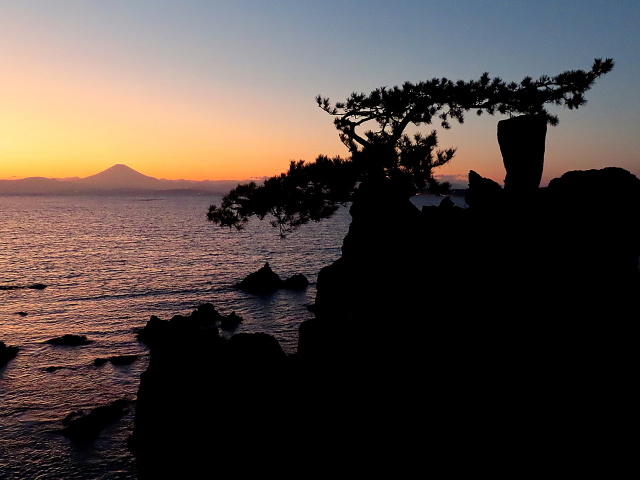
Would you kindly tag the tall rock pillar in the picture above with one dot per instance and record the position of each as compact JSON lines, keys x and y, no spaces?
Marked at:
{"x":522,"y":144}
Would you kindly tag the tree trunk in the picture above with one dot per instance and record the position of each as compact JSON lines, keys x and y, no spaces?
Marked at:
{"x":522,"y":144}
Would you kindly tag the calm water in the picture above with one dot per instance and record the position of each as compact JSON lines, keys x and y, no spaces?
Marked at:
{"x":109,"y":263}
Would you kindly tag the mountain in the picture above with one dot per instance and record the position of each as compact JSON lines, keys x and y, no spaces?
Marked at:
{"x":118,"y":179}
{"x":121,"y":177}
{"x":32,"y":185}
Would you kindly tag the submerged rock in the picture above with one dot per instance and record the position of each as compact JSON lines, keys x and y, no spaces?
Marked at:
{"x":33,"y":286}
{"x":53,"y":368}
{"x":116,"y":360}
{"x":70,"y":340}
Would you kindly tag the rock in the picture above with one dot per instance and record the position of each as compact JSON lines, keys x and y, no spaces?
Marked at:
{"x":154,"y":328}
{"x":116,"y":360}
{"x":446,"y":203}
{"x":7,"y":353}
{"x":260,"y":282}
{"x":203,"y":320}
{"x":237,"y":388}
{"x":453,"y":321}
{"x":614,"y":185}
{"x":34,"y":286}
{"x":522,"y":145}
{"x":70,"y":340}
{"x":296,"y":282}
{"x":592,"y":215}
{"x":483,"y":193}
{"x":81,"y":427}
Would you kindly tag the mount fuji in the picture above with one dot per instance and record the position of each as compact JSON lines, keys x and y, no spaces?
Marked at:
{"x":118,"y":179}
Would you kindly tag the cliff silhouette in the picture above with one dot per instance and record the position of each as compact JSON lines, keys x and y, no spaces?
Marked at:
{"x":490,"y":338}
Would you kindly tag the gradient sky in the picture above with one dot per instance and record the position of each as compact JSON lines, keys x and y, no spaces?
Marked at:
{"x":226,"y":89}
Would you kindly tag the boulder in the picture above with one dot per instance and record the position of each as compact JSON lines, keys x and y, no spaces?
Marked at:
{"x":483,"y":193}
{"x":296,"y":282}
{"x":262,"y":281}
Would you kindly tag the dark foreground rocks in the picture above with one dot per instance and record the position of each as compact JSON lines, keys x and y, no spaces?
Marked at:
{"x":497,"y":338}
{"x":7,"y":352}
{"x":205,"y":399}
{"x":83,"y":427}
{"x":205,"y":319}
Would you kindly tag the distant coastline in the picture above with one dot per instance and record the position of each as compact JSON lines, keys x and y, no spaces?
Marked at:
{"x":116,"y":180}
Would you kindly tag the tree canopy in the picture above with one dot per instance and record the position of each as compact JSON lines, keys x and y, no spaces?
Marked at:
{"x":306,"y":192}
{"x":393,"y":109}
{"x":312,"y":191}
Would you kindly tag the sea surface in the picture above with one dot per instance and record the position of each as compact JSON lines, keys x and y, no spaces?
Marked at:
{"x":108,"y":264}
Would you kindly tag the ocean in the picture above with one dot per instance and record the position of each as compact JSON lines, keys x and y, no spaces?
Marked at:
{"x":108,"y":264}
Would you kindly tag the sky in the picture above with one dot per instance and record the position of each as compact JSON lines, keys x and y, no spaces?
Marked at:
{"x":226,"y":89}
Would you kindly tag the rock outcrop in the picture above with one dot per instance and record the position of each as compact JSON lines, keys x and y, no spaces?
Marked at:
{"x":487,"y":336}
{"x":522,"y":145}
{"x":530,"y":301}
{"x":204,"y":319}
{"x":265,"y":281}
{"x":205,"y":402}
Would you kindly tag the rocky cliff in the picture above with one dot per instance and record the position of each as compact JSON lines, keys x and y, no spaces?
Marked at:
{"x":487,"y":338}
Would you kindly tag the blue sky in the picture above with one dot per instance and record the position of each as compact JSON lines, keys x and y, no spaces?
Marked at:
{"x":225,"y":89}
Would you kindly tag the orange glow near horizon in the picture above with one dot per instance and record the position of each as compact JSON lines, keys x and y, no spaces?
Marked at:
{"x":62,"y":121}
{"x":208,"y":92}
{"x":75,"y":120}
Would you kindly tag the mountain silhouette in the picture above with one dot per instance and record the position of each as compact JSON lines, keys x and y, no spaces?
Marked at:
{"x":115,"y":180}
{"x":120,"y":176}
